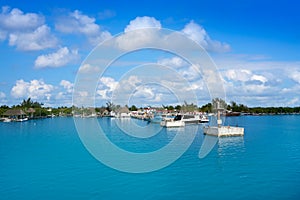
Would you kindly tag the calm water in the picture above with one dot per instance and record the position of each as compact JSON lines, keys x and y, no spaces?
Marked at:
{"x":45,"y":159}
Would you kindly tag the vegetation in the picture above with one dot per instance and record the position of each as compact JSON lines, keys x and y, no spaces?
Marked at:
{"x":36,"y":109}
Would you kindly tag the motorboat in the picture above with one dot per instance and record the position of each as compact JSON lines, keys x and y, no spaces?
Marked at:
{"x":192,"y":118}
{"x":7,"y":120}
{"x":172,"y":122}
{"x":204,"y":119}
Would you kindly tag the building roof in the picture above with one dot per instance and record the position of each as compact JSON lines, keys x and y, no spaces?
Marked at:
{"x":123,"y":110}
{"x":13,"y":112}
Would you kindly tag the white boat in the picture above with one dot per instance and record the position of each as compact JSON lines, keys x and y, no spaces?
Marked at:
{"x":7,"y":120}
{"x":204,"y":119}
{"x":192,"y":119}
{"x":22,"y":119}
{"x":171,"y":122}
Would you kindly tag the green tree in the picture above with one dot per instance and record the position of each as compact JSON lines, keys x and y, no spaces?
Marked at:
{"x":218,"y":103}
{"x":133,"y":108}
{"x":206,"y":108}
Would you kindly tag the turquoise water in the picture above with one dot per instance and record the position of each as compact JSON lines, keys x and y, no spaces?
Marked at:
{"x":45,"y":159}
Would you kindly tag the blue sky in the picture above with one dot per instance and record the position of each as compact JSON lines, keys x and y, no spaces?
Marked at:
{"x":255,"y":44}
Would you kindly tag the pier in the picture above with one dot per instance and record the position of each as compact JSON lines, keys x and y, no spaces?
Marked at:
{"x":223,"y":131}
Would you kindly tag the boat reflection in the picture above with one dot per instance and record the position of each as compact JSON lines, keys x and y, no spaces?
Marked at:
{"x":230,"y":146}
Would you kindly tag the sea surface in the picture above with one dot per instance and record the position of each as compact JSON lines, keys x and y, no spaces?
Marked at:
{"x":46,"y":159}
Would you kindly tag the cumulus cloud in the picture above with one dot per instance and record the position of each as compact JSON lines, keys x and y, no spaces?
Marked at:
{"x":142,"y":22}
{"x":65,"y":96}
{"x":36,"y":89}
{"x":141,"y":36}
{"x":259,"y":78}
{"x":60,"y":58}
{"x":294,"y":74}
{"x":16,"y":20}
{"x":106,"y":86}
{"x":238,"y":75}
{"x":245,"y":75}
{"x":87,"y":68}
{"x":174,"y":62}
{"x":197,"y":33}
{"x":78,"y":23}
{"x":41,"y":38}
{"x":26,"y":31}
{"x":67,"y":85}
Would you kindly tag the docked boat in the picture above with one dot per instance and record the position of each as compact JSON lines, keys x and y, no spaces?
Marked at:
{"x":172,"y":122}
{"x":22,"y":119}
{"x":204,"y":119}
{"x":231,"y":114}
{"x":192,"y":119}
{"x":7,"y":120}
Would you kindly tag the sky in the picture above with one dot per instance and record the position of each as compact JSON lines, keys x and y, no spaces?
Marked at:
{"x":254,"y":44}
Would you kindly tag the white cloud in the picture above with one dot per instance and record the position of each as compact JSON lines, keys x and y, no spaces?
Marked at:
{"x":26,"y":31}
{"x":238,"y":75}
{"x":198,"y":34}
{"x":141,"y":36}
{"x":294,"y":74}
{"x":142,"y":22}
{"x":35,"y":89}
{"x":67,"y":85}
{"x":137,"y":39}
{"x":109,"y":82}
{"x":87,"y":68}
{"x":131,"y":83}
{"x":78,"y":23}
{"x":106,"y":86}
{"x":65,"y":97}
{"x":145,"y":94}
{"x":57,"y":59}
{"x":259,"y":78}
{"x":15,"y":20}
{"x":294,"y":101}
{"x":191,"y":73}
{"x":244,"y":75}
{"x":175,"y":62}
{"x":41,"y":38}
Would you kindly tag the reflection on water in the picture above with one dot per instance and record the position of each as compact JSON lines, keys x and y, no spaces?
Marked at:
{"x":230,"y":145}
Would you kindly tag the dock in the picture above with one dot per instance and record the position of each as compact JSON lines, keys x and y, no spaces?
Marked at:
{"x":223,"y":131}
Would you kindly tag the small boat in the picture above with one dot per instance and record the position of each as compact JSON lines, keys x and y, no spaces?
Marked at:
{"x":204,"y":119}
{"x":231,"y":114}
{"x":22,"y":119}
{"x":7,"y":120}
{"x":192,"y":118}
{"x":172,"y":122}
